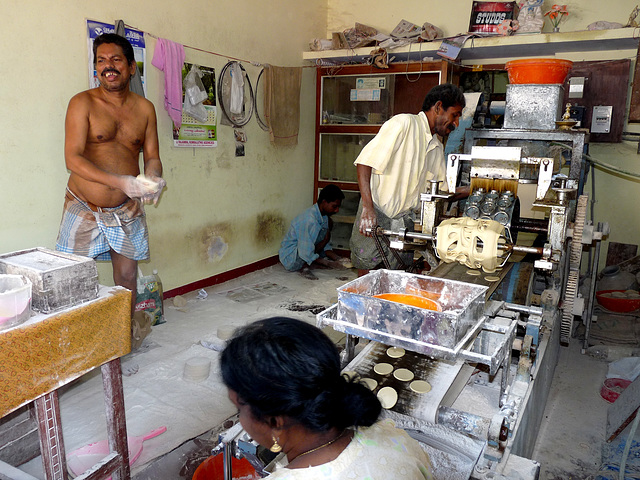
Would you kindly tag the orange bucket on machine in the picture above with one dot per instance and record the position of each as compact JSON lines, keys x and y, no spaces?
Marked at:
{"x":538,"y":70}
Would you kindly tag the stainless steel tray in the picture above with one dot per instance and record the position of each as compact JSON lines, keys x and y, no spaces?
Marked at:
{"x":486,"y":343}
{"x":329,"y":316}
{"x":461,"y":309}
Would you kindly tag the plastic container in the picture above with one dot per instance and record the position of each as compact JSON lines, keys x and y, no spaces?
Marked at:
{"x":15,"y":300}
{"x":538,"y":70}
{"x":612,"y":388}
{"x":619,"y":305}
{"x":212,"y":469}
{"x":615,"y":279}
{"x":161,"y":293}
{"x":150,"y":296}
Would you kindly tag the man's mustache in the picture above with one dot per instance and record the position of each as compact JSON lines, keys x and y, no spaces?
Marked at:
{"x":110,"y":70}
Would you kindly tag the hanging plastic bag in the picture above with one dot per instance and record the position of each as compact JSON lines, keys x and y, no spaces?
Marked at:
{"x":237,"y":89}
{"x":195,"y":94}
{"x":194,"y":86}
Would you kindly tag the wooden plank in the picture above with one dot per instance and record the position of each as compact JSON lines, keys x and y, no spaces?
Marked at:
{"x":623,"y":411}
{"x":606,"y":84}
{"x":632,"y":265}
{"x":19,"y":437}
{"x":634,"y":108}
{"x":9,"y":472}
{"x":620,"y":252}
{"x":115,"y":415}
{"x":50,"y":433}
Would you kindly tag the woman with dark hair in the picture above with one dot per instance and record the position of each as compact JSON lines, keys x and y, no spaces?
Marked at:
{"x":284,"y":376}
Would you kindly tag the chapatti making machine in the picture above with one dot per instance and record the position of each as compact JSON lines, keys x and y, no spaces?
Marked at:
{"x":470,"y":375}
{"x":490,"y":348}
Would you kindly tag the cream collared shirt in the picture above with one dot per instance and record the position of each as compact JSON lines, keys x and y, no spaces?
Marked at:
{"x":403,"y":156}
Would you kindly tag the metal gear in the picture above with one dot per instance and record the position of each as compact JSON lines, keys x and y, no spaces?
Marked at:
{"x":573,"y":278}
{"x":570,"y":293}
{"x":578,"y":228}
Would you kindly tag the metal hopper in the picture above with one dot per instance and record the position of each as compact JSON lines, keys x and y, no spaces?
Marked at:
{"x":438,"y":333}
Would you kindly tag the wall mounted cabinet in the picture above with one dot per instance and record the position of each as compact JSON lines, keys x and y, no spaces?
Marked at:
{"x":352,"y":103}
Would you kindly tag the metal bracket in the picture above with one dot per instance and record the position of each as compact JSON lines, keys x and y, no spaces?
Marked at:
{"x":453,"y":165}
{"x":545,"y":172}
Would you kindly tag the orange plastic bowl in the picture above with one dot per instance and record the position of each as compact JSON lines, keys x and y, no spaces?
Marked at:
{"x":538,"y":70}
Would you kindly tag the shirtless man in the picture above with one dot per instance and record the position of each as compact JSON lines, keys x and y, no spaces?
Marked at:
{"x":105,"y":129}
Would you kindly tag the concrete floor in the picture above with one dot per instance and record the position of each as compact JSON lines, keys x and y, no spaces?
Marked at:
{"x":573,"y":427}
{"x":568,"y":445}
{"x":569,"y":441}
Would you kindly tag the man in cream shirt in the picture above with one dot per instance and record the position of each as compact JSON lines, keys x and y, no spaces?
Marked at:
{"x":395,"y":168}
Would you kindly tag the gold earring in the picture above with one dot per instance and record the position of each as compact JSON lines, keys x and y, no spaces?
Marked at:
{"x":275,"y":448}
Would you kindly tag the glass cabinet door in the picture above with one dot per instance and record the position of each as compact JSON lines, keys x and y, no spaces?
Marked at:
{"x":357,"y":99}
{"x":338,"y":151}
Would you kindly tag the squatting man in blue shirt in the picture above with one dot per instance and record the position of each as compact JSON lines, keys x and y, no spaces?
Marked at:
{"x":306,"y":244}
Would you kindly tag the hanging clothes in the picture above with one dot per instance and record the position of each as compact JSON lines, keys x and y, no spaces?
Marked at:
{"x":282,"y":103}
{"x":135,"y":84}
{"x":169,"y":57}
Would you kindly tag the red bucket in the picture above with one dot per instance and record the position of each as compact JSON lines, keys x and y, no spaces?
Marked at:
{"x":213,"y":469}
{"x":612,"y":388}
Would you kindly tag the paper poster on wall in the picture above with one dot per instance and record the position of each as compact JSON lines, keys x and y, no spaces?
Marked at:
{"x":371,"y":82}
{"x":365,"y":95}
{"x":193,"y":132}
{"x":135,"y":37}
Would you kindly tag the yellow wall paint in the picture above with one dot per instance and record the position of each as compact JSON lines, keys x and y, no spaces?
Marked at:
{"x":453,"y":16}
{"x":206,"y":221}
{"x":617,"y":196}
{"x":210,"y":192}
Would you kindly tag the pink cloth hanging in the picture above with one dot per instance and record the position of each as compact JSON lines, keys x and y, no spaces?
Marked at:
{"x":169,"y":57}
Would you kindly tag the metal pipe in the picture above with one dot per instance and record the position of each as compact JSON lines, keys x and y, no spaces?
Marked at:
{"x":523,"y":308}
{"x":530,"y":225}
{"x":592,"y":292}
{"x":226,"y":461}
{"x":428,"y":237}
{"x":525,"y":249}
{"x":467,"y":423}
{"x":407,"y":235}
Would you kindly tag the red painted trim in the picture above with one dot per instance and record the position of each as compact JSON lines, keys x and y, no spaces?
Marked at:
{"x":221,"y":277}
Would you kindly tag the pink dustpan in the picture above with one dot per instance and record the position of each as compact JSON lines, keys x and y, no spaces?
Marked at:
{"x":80,"y":460}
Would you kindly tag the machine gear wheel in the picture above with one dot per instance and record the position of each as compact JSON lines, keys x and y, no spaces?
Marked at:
{"x":573,"y":278}
{"x":570,"y":294}
{"x":578,"y":228}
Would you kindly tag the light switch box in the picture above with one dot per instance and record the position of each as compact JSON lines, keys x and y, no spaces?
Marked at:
{"x":601,"y":119}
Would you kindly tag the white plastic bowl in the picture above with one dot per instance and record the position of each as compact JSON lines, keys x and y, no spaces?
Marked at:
{"x":15,"y":300}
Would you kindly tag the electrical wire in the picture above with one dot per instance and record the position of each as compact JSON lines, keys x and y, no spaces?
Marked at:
{"x":262,"y":124}
{"x":606,"y":166}
{"x":228,"y":57}
{"x":406,"y":72}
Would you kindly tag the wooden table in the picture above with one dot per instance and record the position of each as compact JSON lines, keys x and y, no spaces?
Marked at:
{"x":49,"y":351}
